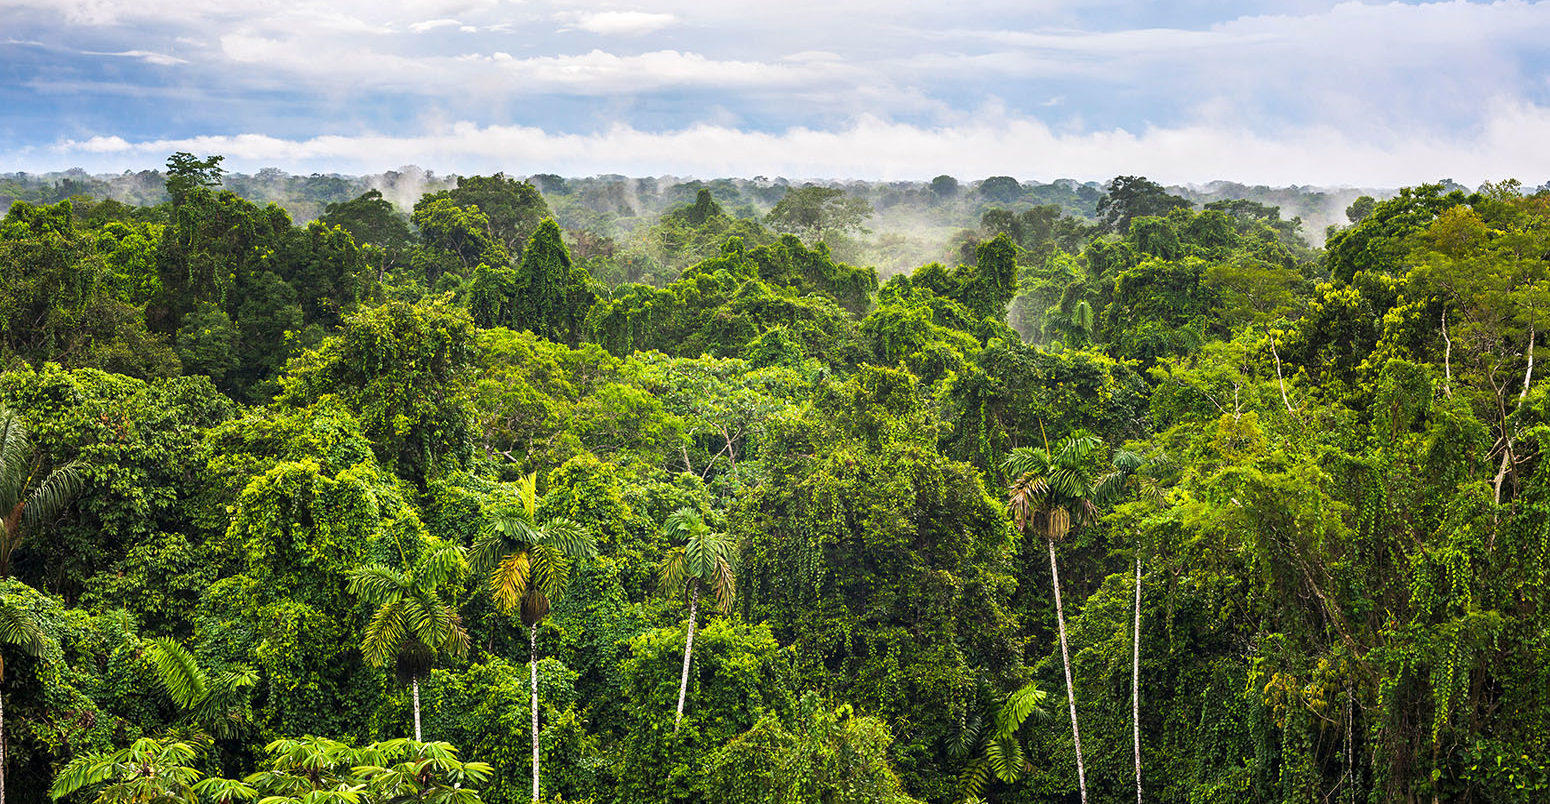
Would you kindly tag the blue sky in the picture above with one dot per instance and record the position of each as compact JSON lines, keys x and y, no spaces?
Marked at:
{"x":1274,"y":92}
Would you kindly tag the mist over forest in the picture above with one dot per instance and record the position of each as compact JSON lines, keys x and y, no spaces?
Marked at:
{"x":912,"y":223}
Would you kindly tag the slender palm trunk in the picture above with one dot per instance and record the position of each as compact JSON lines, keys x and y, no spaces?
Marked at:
{"x":414,"y":683}
{"x":683,"y":683}
{"x":2,"y":748}
{"x":1065,"y":658}
{"x":532,"y":642}
{"x":1135,"y":678}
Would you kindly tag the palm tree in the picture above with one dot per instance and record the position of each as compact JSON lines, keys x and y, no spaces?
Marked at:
{"x":702,"y":560}
{"x":1126,"y":465}
{"x":412,"y":623}
{"x":216,"y":704}
{"x":1000,"y":752}
{"x":24,"y":505}
{"x":147,"y":771}
{"x":1055,"y":490}
{"x":529,"y":566}
{"x":21,"y":628}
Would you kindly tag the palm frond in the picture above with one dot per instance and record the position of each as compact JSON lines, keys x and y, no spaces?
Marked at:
{"x":52,"y":495}
{"x":527,"y":492}
{"x":21,"y":628}
{"x":15,"y":458}
{"x":509,"y":580}
{"x":967,"y":738}
{"x":1026,"y":461}
{"x":1128,"y":461}
{"x":224,"y":791}
{"x":1026,"y":702}
{"x":571,"y":538}
{"x":972,"y":782}
{"x":1068,"y":482}
{"x":699,"y":555}
{"x":723,"y":584}
{"x":671,"y":576}
{"x":178,"y":673}
{"x":1076,"y":448}
{"x":551,"y":570}
{"x":224,"y":707}
{"x":378,"y":585}
{"x":385,"y":633}
{"x":457,"y":640}
{"x":682,"y":523}
{"x":83,"y":771}
{"x":1006,"y":759}
{"x":442,"y":562}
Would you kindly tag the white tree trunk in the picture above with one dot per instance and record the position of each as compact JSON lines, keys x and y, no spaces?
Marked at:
{"x":1065,"y":658}
{"x":532,"y":641}
{"x":415,"y":685}
{"x":1528,"y":375}
{"x":1135,"y":679}
{"x":683,"y":683}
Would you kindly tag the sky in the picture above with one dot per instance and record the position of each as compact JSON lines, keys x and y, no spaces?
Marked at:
{"x":1281,"y":93}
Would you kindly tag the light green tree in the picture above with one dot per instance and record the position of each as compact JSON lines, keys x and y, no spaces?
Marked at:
{"x":529,"y":565}
{"x":147,"y":772}
{"x":412,"y":623}
{"x":813,"y":212}
{"x":701,"y":560}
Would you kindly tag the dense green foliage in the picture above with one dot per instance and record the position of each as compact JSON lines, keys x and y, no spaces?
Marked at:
{"x":252,"y":470}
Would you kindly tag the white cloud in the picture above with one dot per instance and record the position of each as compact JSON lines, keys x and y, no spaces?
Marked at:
{"x":431,"y":25}
{"x":620,"y":23}
{"x":146,"y":56}
{"x":1510,"y":144}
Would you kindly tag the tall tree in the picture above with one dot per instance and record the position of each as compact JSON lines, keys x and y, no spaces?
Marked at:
{"x":529,"y":565}
{"x":1053,"y":491}
{"x":24,"y":504}
{"x":19,"y":628}
{"x":703,"y":559}
{"x":552,"y":295}
{"x":1128,"y":197}
{"x":412,"y":623}
{"x":186,"y":173}
{"x":513,"y":208}
{"x":814,"y":212}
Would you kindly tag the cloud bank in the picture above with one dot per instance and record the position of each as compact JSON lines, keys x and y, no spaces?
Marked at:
{"x":1298,"y":91}
{"x":1511,"y":146}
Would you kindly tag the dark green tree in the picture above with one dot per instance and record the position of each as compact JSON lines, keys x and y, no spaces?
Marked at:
{"x":1129,"y":197}
{"x":186,"y":172}
{"x":551,"y":296}
{"x":29,"y":498}
{"x":20,"y":629}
